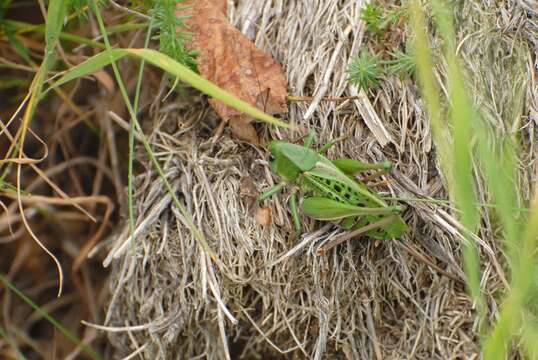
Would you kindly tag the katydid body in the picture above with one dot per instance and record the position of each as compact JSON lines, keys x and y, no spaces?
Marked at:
{"x":330,"y":192}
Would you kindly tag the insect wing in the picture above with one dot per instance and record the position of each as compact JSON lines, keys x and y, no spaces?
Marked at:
{"x":326,"y":169}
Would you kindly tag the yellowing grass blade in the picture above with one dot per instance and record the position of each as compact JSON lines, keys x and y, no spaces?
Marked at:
{"x":171,"y":66}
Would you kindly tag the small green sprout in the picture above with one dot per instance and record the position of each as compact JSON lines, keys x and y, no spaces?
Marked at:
{"x":372,"y":15}
{"x":378,"y":19}
{"x":393,"y":16}
{"x":403,"y":62}
{"x":364,"y":70}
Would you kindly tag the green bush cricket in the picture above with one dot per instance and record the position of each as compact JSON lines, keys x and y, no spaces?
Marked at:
{"x":329,"y":191}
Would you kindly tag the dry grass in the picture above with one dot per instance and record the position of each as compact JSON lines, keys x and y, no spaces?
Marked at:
{"x":270,"y":294}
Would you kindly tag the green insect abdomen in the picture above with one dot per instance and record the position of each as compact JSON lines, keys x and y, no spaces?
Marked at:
{"x":338,"y":191}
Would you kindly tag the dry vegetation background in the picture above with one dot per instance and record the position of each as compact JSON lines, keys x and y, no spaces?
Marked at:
{"x":268,"y":295}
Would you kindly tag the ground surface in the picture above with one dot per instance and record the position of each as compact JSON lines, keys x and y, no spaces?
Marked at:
{"x":269,"y":294}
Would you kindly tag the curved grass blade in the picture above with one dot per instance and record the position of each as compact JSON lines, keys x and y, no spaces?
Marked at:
{"x":55,"y":19}
{"x":68,"y":334}
{"x":173,"y":67}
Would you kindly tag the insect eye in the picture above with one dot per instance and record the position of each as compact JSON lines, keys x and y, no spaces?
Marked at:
{"x":271,"y":158}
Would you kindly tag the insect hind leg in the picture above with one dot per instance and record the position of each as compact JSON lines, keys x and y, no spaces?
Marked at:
{"x":384,"y":221}
{"x":351,"y":166}
{"x":349,"y":222}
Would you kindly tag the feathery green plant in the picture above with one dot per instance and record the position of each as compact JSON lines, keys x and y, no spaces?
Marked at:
{"x":403,"y":63}
{"x":372,"y":15}
{"x":364,"y":70}
{"x":172,"y":31}
{"x":377,"y":19}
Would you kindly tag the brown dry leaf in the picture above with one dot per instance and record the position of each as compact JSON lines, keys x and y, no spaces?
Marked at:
{"x":234,"y":63}
{"x":263,"y":216}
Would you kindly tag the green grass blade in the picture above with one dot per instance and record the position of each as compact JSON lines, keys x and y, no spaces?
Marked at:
{"x":198,"y":235}
{"x":511,"y":314}
{"x":90,"y":66}
{"x":174,"y":68}
{"x":55,"y":19}
{"x":429,"y":87}
{"x":455,"y":155}
{"x":53,"y":26}
{"x":498,"y":159}
{"x":497,"y":156}
{"x":68,"y":334}
{"x":55,"y":16}
{"x":22,"y":28}
{"x":530,"y":340}
{"x":17,"y":45}
{"x":4,"y":335}
{"x":462,"y":117}
{"x":132,"y":130}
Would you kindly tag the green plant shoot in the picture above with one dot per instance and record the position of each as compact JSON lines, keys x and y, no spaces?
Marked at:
{"x":329,"y":191}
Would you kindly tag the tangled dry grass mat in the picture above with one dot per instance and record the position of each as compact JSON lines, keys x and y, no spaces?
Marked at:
{"x":273,"y":297}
